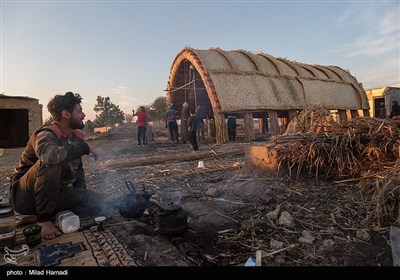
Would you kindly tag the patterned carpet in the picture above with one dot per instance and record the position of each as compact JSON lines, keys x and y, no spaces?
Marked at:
{"x":82,"y":248}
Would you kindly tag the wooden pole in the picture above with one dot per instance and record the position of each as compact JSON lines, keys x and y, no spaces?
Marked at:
{"x":273,"y":121}
{"x":248,"y":127}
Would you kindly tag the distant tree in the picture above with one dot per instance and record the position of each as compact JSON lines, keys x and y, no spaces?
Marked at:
{"x":156,"y":110}
{"x":107,"y":112}
{"x":89,"y":126}
{"x":49,"y":120}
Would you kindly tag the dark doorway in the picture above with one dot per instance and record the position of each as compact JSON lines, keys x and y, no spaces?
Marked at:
{"x":14,"y":128}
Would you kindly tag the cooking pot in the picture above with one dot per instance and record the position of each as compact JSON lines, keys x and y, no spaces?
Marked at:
{"x":172,"y":219}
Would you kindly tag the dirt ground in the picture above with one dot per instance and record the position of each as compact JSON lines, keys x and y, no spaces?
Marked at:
{"x":232,"y":210}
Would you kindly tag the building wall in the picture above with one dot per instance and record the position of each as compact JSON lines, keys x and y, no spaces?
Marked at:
{"x":32,"y":105}
{"x":387,"y":94}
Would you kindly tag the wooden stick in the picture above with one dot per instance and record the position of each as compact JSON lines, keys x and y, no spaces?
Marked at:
{"x":227,"y":217}
{"x":123,"y":163}
{"x":280,"y":250}
{"x":258,"y":258}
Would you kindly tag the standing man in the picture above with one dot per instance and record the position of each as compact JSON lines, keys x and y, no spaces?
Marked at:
{"x":382,"y":110}
{"x":184,"y":122}
{"x":200,"y":127}
{"x":171,"y":123}
{"x":193,"y":123}
{"x":231,"y":127}
{"x":395,"y":109}
{"x":141,"y":122}
{"x":50,"y":177}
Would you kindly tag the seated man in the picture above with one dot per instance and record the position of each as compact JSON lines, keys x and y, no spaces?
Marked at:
{"x":50,"y":176}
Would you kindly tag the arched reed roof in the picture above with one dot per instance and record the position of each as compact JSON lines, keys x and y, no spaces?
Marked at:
{"x":239,"y":80}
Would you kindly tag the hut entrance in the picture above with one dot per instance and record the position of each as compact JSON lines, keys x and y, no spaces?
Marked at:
{"x":14,"y":128}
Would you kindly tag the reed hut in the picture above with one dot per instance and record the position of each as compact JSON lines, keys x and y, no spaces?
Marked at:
{"x":20,"y":116}
{"x":256,"y":85}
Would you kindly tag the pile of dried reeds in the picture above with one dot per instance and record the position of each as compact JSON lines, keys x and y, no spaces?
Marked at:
{"x":360,"y":147}
{"x":363,"y":151}
{"x":316,"y":120}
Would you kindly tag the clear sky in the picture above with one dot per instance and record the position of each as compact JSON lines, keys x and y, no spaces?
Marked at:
{"x":124,"y":49}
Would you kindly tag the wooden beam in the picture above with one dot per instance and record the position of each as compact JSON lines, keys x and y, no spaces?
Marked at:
{"x":248,"y":127}
{"x":221,"y":129}
{"x":273,"y":121}
{"x":342,"y":115}
{"x":354,"y":114}
{"x":124,"y":163}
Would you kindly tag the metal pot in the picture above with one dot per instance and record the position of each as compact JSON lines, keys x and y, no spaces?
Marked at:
{"x":172,"y":219}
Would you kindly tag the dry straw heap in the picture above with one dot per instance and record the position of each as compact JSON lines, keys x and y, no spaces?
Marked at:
{"x":363,"y":152}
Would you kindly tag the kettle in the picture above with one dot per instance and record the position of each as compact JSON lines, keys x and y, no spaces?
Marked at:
{"x":133,"y":204}
{"x":172,"y":219}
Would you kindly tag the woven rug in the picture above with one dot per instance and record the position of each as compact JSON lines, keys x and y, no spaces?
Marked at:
{"x":82,"y":248}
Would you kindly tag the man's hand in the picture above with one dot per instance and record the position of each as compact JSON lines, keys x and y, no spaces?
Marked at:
{"x":93,"y":153}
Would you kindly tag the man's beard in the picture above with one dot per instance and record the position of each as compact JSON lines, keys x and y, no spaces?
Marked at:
{"x":77,"y":124}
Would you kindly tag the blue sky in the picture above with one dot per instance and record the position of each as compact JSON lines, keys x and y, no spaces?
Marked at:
{"x":124,"y":49}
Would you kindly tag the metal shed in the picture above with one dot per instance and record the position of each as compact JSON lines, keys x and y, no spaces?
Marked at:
{"x":254,"y":84}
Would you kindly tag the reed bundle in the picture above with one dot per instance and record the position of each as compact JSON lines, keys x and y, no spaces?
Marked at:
{"x":363,"y":151}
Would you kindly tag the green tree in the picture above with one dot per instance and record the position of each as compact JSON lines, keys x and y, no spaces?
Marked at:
{"x":107,"y":112}
{"x":156,"y":110}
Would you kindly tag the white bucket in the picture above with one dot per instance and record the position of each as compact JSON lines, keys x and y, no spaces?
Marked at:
{"x":201,"y":164}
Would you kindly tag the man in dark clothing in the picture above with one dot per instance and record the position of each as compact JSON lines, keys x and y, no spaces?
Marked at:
{"x":382,"y":110}
{"x":50,"y":176}
{"x":232,"y":127}
{"x":184,"y":122}
{"x":171,"y":123}
{"x":395,"y":109}
{"x":193,"y":123}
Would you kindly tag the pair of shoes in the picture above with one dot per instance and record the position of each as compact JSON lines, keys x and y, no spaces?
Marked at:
{"x":139,"y":143}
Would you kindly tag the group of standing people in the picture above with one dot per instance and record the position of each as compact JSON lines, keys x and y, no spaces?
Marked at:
{"x":192,"y":125}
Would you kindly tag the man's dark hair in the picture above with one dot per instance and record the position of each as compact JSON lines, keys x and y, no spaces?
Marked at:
{"x":60,"y":103}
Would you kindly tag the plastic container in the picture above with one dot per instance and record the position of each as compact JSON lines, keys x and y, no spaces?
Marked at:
{"x":250,"y":262}
{"x":7,"y":228}
{"x":33,"y":235}
{"x":67,"y":221}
